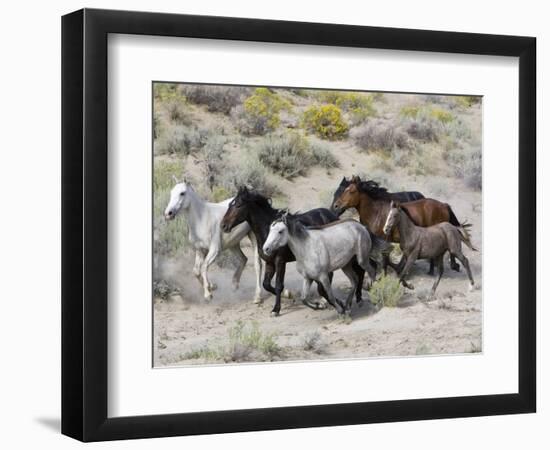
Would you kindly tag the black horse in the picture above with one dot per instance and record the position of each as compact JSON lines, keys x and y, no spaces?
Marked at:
{"x":254,"y":208}
{"x":401,"y":197}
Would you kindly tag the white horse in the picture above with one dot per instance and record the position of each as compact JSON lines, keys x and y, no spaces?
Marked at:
{"x":203,"y":219}
{"x":323,"y":249}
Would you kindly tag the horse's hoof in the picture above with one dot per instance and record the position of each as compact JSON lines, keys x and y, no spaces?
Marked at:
{"x":287,"y":294}
{"x":212,"y":286}
{"x":257,"y":301}
{"x":235,"y":285}
{"x":360,"y":303}
{"x":274,"y":313}
{"x":471,"y":287}
{"x":208,"y":298}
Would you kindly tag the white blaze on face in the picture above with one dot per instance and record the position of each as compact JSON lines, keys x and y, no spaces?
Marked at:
{"x":277,"y":237}
{"x":390,"y":220}
{"x":177,"y":200}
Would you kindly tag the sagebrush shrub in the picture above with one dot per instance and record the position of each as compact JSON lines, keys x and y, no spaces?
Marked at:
{"x":177,"y":112}
{"x":326,"y":121}
{"x":386,"y":291}
{"x":424,"y":127}
{"x":287,"y":154}
{"x":467,"y":164}
{"x":379,"y":134}
{"x":180,"y":139}
{"x":249,"y":171}
{"x":290,"y":154}
{"x":215,"y":98}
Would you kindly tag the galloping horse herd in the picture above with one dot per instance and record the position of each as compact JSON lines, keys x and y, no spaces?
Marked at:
{"x":319,"y":241}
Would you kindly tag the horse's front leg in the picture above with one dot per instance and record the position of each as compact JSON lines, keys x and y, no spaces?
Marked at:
{"x":257,"y":268}
{"x":280,"y":269}
{"x":208,"y":260}
{"x":409,"y":261}
{"x":199,"y":258}
{"x":325,"y":281}
{"x":269,"y":273}
{"x":306,"y":286}
{"x":237,"y":251}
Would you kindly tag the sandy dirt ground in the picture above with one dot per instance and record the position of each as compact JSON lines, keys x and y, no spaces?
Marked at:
{"x":451,"y":323}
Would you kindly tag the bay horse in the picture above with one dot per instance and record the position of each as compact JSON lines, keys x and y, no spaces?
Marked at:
{"x":403,"y":196}
{"x":427,"y":242}
{"x":373,"y":204}
{"x":253,"y":208}
{"x":204,"y":233}
{"x":321,"y":250}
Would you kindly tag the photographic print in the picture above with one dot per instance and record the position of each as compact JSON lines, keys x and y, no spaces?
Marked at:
{"x":294,"y":224}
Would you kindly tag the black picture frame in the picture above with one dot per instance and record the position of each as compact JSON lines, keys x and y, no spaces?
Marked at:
{"x":84,"y":224}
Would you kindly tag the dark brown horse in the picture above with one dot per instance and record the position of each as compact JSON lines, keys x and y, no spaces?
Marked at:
{"x":373,"y":204}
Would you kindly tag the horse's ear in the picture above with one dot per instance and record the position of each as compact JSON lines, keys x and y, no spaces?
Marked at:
{"x":355,"y":179}
{"x":175,"y":179}
{"x":284,"y":217}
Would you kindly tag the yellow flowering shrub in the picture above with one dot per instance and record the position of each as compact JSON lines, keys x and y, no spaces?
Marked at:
{"x":265,"y":105}
{"x":442,"y":115}
{"x":359,"y":106}
{"x":326,"y":121}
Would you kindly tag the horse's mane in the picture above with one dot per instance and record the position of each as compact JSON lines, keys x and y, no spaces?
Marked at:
{"x":295,"y":228}
{"x":259,"y":199}
{"x":374,"y":190}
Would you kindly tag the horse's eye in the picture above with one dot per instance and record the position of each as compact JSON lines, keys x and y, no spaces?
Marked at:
{"x":182,"y":194}
{"x":280,"y":231}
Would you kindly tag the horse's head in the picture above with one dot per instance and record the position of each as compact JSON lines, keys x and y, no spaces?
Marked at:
{"x":277,"y":237}
{"x":393,"y":217}
{"x":349,"y":198}
{"x":337,"y":193}
{"x":237,"y":211}
{"x":179,"y":199}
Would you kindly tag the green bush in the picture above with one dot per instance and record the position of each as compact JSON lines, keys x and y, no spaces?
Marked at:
{"x":290,"y":154}
{"x":248,"y":172}
{"x":326,"y":121}
{"x":177,"y":112}
{"x":386,"y":291}
{"x":180,"y":139}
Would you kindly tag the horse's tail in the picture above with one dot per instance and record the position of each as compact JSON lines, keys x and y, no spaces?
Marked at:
{"x":452,"y":218}
{"x":465,"y":235}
